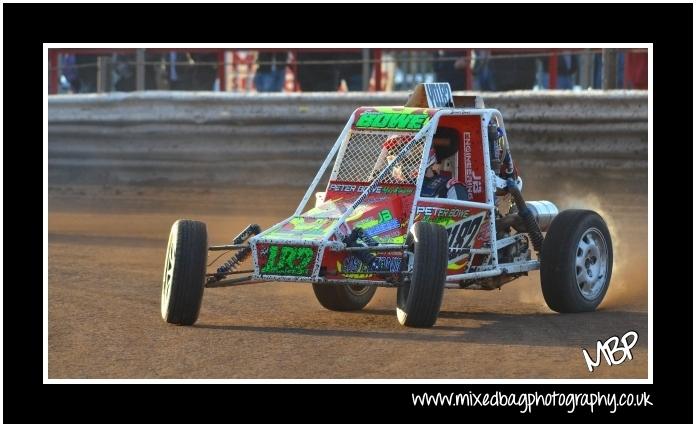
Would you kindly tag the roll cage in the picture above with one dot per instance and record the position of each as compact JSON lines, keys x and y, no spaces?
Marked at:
{"x":332,"y":238}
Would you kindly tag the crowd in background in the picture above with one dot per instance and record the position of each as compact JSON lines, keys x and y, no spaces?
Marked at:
{"x":166,"y":71}
{"x":343,"y":70}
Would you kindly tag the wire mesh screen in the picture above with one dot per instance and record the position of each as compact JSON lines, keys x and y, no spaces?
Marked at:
{"x":368,"y":152}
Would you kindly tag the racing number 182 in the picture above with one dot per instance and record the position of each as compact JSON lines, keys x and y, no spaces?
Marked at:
{"x":291,"y":260}
{"x":461,"y":235}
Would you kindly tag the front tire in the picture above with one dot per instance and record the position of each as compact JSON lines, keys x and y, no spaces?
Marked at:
{"x":576,"y":262}
{"x":184,"y":272}
{"x":418,"y":303}
{"x":343,"y":298}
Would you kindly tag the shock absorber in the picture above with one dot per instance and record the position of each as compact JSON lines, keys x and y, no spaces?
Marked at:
{"x":352,"y":241}
{"x":252,"y":229}
{"x":242,"y":254}
{"x":526,"y":215}
{"x":366,"y":237}
{"x":234,"y":261}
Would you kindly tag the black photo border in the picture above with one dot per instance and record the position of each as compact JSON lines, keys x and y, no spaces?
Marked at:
{"x":27,"y":26}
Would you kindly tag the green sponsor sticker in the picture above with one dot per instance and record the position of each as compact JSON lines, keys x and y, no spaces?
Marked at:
{"x":396,"y":190}
{"x":288,"y":261}
{"x":392,"y":121}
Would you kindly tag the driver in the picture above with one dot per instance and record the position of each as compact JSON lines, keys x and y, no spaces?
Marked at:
{"x":406,"y":170}
{"x":390,"y":148}
{"x":435,"y":184}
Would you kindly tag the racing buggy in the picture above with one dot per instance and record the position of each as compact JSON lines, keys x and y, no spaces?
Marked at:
{"x":420,"y":197}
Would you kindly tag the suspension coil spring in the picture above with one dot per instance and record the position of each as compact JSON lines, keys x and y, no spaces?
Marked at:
{"x":234,"y":261}
{"x":366,"y":238}
{"x":526,"y":215}
{"x":242,"y":254}
{"x":352,"y":241}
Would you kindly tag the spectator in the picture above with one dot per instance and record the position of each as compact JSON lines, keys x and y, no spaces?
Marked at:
{"x":124,"y":73}
{"x":636,"y":70}
{"x":447,"y":71}
{"x":173,"y":74}
{"x":180,"y":70}
{"x":483,"y":76}
{"x":597,"y":71}
{"x":512,"y":73}
{"x":190,"y":71}
{"x":71,"y":73}
{"x":86,"y":66}
{"x":204,"y":70}
{"x":270,"y":74}
{"x":567,"y":67}
{"x":161,"y":71}
{"x":352,"y":73}
{"x":317,"y":77}
{"x":631,"y":70}
{"x":620,"y":69}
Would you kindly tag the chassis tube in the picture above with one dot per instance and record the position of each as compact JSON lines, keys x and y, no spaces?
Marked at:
{"x":426,"y":131}
{"x":476,"y":275}
{"x":324,"y":166}
{"x":462,"y":203}
{"x":381,"y":248}
{"x":379,"y":283}
{"x":517,"y":267}
{"x":239,"y":281}
{"x":228,"y":247}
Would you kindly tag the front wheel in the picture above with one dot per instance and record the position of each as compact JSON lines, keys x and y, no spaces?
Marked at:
{"x":418,"y":302}
{"x":184,"y":272}
{"x":576,"y":261}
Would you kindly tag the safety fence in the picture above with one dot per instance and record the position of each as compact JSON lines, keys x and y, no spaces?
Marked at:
{"x":269,"y":139}
{"x":311,"y":70}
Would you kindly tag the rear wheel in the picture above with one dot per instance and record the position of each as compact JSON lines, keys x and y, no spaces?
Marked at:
{"x":343,"y":298}
{"x":418,"y":303}
{"x":576,"y":261}
{"x":184,"y":272}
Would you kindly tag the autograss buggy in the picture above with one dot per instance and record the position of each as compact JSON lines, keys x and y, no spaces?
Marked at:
{"x":373,"y":226}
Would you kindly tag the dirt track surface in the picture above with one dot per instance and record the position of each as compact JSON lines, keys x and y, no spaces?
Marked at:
{"x":106,"y":252}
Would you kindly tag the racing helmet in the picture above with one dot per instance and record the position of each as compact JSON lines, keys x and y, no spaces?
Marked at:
{"x":432,"y":158}
{"x":395,"y":142}
{"x":406,"y":170}
{"x":409,"y":167}
{"x":496,"y":144}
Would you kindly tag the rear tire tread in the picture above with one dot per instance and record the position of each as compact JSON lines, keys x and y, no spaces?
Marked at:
{"x":340,"y":298}
{"x":557,"y":271}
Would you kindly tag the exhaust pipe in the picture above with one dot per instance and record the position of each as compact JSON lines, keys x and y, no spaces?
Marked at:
{"x":532,"y":218}
{"x":544,"y":212}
